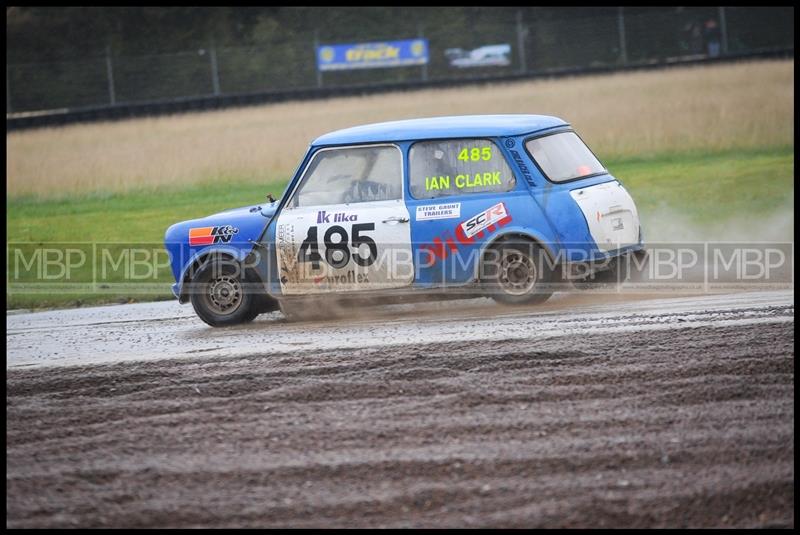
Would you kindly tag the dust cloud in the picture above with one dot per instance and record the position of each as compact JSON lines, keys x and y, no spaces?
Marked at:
{"x":665,"y":224}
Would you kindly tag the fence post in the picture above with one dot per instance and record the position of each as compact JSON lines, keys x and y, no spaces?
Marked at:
{"x":723,"y":26}
{"x":623,"y":49}
{"x":521,"y":34}
{"x":212,"y":55}
{"x":316,"y":59}
{"x":8,"y":92}
{"x":421,"y":35}
{"x":112,"y":98}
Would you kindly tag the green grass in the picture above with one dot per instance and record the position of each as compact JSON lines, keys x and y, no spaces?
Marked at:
{"x":140,"y":216}
{"x":736,"y":195}
{"x":706,"y":192}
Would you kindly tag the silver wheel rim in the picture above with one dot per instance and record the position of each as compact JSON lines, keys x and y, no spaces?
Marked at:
{"x":517,"y":273}
{"x":224,"y":295}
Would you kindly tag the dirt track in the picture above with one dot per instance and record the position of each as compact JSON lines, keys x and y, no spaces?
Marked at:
{"x":665,"y":413}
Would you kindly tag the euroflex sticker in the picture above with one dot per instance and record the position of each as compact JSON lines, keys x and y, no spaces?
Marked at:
{"x":439,"y":211}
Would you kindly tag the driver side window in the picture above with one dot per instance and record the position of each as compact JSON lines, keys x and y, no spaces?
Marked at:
{"x":351,"y":175}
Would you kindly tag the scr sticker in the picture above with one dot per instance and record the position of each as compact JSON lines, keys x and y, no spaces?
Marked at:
{"x":484,"y":219}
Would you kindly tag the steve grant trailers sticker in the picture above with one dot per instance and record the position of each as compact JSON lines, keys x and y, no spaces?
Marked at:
{"x":209,"y":235}
{"x":439,"y":211}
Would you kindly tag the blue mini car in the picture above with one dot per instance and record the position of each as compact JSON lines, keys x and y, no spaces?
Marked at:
{"x":500,"y":205}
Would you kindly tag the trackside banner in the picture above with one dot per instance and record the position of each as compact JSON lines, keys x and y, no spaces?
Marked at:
{"x":372,"y":55}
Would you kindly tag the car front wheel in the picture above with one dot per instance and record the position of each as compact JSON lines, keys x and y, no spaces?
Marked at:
{"x":220,"y":295}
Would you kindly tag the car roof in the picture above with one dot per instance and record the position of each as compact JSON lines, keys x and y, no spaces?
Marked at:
{"x":441,"y":127}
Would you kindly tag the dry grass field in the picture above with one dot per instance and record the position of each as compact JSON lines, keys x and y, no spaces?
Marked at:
{"x":704,"y":109}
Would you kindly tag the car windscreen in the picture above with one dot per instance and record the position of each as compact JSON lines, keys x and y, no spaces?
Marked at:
{"x":563,"y":157}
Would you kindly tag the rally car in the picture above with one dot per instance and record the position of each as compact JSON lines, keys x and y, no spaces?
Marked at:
{"x":496,"y":205}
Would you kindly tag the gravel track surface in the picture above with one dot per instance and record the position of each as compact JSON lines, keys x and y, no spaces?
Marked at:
{"x":583,"y":413}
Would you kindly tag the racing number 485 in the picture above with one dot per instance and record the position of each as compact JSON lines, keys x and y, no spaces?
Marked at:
{"x":309,"y":249}
{"x":476,"y":154}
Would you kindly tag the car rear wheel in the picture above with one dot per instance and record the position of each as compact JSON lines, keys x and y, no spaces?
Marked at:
{"x":220,"y":295}
{"x":518,"y":273}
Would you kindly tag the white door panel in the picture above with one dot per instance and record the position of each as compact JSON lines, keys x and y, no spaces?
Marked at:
{"x":344,"y":247}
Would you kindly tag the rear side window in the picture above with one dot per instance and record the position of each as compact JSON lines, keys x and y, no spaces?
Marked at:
{"x":563,"y":157}
{"x":457,"y":167}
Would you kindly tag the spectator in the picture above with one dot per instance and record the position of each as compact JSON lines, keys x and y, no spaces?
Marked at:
{"x":712,"y":37}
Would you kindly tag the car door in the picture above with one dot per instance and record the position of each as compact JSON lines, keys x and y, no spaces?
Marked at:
{"x":461,"y":193}
{"x":346,"y":227}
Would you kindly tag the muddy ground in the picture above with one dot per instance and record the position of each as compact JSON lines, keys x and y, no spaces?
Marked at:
{"x":689,"y":425}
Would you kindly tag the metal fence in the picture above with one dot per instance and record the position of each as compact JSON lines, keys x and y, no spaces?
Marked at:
{"x":615,"y":38}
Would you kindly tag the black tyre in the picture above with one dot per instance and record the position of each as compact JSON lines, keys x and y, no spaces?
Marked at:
{"x":221,"y":296}
{"x":518,"y":273}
